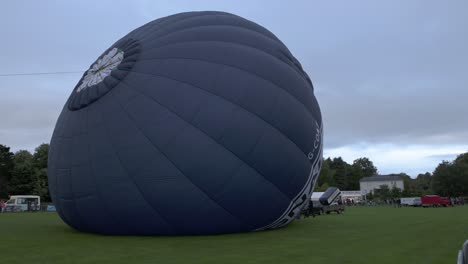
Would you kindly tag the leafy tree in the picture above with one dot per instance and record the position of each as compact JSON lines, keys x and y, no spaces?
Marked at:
{"x":424,"y":183}
{"x":337,"y":172}
{"x":6,"y":166}
{"x":410,"y":188}
{"x":41,"y":186}
{"x":383,"y":193}
{"x":40,"y":171}
{"x":461,"y":172}
{"x":26,"y":173}
{"x":395,"y":192}
{"x":360,"y":168}
{"x":326,"y":174}
{"x":367,"y":166}
{"x":340,"y":168}
{"x":354,"y":175}
{"x":40,"y":156}
{"x":22,"y":178}
{"x":322,"y":187}
{"x":451,"y":178}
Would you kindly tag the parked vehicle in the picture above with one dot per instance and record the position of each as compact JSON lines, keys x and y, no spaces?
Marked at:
{"x":23,"y":203}
{"x":411,"y":201}
{"x":314,"y":207}
{"x":324,"y":203}
{"x":434,"y":201}
{"x":331,"y":201}
{"x":336,"y":207}
{"x":330,"y":196}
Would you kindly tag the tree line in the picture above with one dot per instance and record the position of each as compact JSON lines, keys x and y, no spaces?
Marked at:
{"x":23,"y":172}
{"x":450,"y":178}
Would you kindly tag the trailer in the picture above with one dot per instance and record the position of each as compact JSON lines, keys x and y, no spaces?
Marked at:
{"x":434,"y":201}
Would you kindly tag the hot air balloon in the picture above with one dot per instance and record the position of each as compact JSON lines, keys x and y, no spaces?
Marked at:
{"x":195,"y":123}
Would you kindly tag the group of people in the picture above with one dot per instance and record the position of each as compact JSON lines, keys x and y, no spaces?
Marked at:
{"x":457,"y":201}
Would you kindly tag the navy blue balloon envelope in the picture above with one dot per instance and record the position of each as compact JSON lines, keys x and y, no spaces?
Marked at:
{"x":196,"y":123}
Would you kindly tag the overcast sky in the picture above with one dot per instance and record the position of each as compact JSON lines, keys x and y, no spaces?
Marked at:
{"x":391,"y":76}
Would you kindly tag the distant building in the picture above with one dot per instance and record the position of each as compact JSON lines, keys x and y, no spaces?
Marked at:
{"x":370,"y":184}
{"x":351,"y":195}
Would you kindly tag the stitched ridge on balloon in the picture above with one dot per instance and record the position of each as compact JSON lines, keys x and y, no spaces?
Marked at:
{"x":210,"y":137}
{"x":219,"y":24}
{"x":266,"y":33}
{"x":225,"y":99}
{"x":80,"y":218}
{"x":65,"y":121}
{"x":237,"y":19}
{"x":172,"y":162}
{"x":132,"y":178}
{"x":161,"y":23}
{"x":240,"y":107}
{"x":288,"y":60}
{"x":279,"y":222}
{"x":261,"y":180}
{"x":247,"y":164}
{"x":235,"y":67}
{"x":234,"y":103}
{"x":92,"y":170}
{"x":137,"y":187}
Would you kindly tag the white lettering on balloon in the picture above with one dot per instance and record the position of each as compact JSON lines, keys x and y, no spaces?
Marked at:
{"x":301,"y":199}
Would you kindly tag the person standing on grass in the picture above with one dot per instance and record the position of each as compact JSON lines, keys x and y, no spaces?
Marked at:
{"x":2,"y":206}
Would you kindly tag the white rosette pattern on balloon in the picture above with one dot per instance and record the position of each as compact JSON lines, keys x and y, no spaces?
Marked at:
{"x":102,"y":68}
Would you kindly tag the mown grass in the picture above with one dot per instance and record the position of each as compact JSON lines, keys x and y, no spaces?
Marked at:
{"x":361,"y":235}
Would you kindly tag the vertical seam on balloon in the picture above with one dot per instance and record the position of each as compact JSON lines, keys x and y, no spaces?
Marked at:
{"x":172,"y":162}
{"x":59,"y":209}
{"x":80,"y":218}
{"x":243,"y":161}
{"x":235,"y":67}
{"x":57,"y":134}
{"x":293,"y":199}
{"x":210,"y":137}
{"x":56,"y":184}
{"x":133,"y":180}
{"x":226,"y":184}
{"x":232,"y":112}
{"x":98,"y":193}
{"x":229,"y":101}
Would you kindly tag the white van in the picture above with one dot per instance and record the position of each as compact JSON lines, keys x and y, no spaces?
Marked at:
{"x":411,"y":201}
{"x":23,"y":203}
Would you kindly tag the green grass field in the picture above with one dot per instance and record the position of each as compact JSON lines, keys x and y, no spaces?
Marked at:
{"x":361,"y":235}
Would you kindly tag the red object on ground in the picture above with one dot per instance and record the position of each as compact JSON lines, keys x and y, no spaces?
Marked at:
{"x":434,"y":200}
